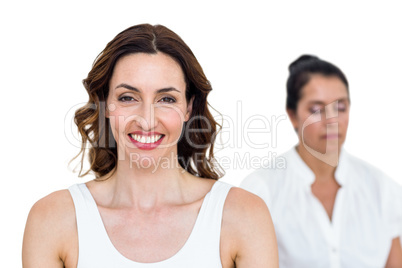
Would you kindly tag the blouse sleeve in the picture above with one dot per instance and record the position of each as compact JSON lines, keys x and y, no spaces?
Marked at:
{"x":394,"y":206}
{"x":256,"y":183}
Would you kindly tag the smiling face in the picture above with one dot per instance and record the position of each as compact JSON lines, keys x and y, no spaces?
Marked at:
{"x":322,"y":114}
{"x":147,"y":105}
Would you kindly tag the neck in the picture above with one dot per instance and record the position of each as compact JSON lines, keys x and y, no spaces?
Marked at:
{"x":322,"y":165}
{"x":147,"y":185}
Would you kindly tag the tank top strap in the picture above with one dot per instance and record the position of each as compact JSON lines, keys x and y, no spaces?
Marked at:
{"x":209,"y":221}
{"x":92,"y":237}
{"x":86,"y":210}
{"x":212,"y":208}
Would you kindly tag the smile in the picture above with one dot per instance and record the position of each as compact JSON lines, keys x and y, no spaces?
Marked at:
{"x":146,"y":139}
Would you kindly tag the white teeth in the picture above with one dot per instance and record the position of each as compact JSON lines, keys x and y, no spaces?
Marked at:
{"x":146,"y":139}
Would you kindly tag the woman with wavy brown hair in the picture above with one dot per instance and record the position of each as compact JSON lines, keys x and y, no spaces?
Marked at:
{"x":156,"y":200}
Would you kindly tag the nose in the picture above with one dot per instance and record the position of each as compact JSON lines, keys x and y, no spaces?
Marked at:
{"x":331,"y":113}
{"x":147,"y":119}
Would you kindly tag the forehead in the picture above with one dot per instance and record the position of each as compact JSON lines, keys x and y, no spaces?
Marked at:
{"x":148,"y":70}
{"x":324,"y":89}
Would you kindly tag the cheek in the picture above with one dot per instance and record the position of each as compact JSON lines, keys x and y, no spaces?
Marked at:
{"x":119,"y":122}
{"x":312,"y":131}
{"x":172,"y":118}
{"x":309,"y":124}
{"x":344,"y":122}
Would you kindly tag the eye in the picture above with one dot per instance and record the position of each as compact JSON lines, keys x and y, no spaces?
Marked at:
{"x":315,"y":109}
{"x":341,"y":107}
{"x":126,"y":99}
{"x":167,"y":100}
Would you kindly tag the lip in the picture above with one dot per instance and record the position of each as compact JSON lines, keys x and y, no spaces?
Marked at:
{"x":146,"y":146}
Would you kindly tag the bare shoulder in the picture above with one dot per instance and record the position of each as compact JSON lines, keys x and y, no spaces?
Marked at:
{"x":248,"y":234}
{"x":50,"y":231}
{"x":56,"y":208}
{"x":241,"y":204}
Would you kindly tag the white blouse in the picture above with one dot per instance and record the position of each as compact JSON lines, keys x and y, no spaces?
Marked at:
{"x":367,"y":214}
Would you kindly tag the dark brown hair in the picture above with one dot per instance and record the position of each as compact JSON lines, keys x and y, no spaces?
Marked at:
{"x":195,"y":150}
{"x":300,"y":72}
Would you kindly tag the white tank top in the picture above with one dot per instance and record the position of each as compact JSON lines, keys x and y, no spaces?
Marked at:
{"x":202,"y":248}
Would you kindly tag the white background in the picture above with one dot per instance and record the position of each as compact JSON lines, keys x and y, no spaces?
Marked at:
{"x":47,"y":48}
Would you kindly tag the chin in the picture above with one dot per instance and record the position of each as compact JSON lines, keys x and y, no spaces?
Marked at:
{"x":323,"y":148}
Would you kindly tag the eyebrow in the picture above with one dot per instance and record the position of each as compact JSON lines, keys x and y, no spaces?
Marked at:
{"x":322,"y":103}
{"x":162,"y":90}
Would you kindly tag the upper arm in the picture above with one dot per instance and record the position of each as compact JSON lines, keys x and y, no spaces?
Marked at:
{"x":46,"y":231}
{"x":248,"y":222}
{"x":393,"y":207}
{"x":395,"y":254}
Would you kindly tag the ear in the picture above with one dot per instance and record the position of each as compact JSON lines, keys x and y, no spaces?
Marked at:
{"x":189,"y":109}
{"x":293,"y":119}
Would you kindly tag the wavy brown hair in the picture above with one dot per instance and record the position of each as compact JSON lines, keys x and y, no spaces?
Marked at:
{"x":195,"y":149}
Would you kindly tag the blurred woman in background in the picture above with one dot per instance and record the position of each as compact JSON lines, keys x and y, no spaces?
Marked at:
{"x":329,"y":208}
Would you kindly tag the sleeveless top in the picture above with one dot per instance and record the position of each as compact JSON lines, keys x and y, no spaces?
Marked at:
{"x":202,"y":248}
